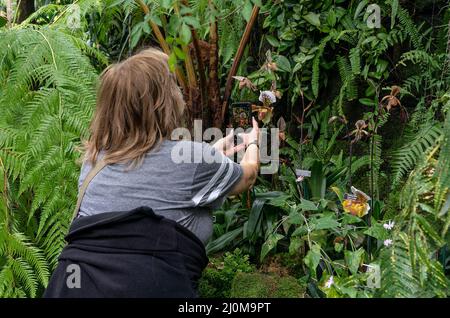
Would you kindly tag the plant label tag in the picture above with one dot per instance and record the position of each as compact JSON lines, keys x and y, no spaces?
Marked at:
{"x":303,"y":173}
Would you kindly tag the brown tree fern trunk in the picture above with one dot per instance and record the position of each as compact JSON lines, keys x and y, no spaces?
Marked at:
{"x":214,"y":85}
{"x":244,"y":40}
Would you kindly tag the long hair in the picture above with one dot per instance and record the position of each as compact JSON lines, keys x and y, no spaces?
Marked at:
{"x":139,"y":104}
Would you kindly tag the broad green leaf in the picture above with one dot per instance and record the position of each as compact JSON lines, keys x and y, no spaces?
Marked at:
{"x":136,"y":34}
{"x":271,"y":195}
{"x":294,"y":246}
{"x":307,"y":205}
{"x":247,"y":10}
{"x":300,"y":231}
{"x":367,"y":101}
{"x":283,"y":63}
{"x":221,"y":242}
{"x":272,"y":40}
{"x":280,"y":200}
{"x":324,"y":223}
{"x":313,"y":18}
{"x":257,"y":3}
{"x":172,"y":61}
{"x":146,"y":28}
{"x":166,"y":4}
{"x":348,"y":291}
{"x":186,"y":11}
{"x":180,"y":54}
{"x":354,"y":259}
{"x":295,"y":218}
{"x":317,"y":182}
{"x":254,"y":219}
{"x":270,"y":244}
{"x":312,"y":259}
{"x":377,"y":231}
{"x":339,"y":192}
{"x":192,"y":21}
{"x":185,"y":33}
{"x":394,"y":11}
{"x":360,"y":8}
{"x":156,"y":19}
{"x":350,"y":219}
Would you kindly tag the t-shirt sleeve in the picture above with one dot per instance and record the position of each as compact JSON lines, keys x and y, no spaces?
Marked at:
{"x":214,"y":177}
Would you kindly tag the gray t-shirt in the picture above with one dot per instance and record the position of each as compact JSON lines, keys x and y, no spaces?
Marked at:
{"x":180,"y":180}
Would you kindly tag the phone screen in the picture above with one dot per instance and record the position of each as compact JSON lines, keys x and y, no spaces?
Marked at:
{"x":241,"y":115}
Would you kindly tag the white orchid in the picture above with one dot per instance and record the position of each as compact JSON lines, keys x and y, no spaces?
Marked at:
{"x":387,"y":242}
{"x":300,"y":179}
{"x":329,"y":282}
{"x":389,"y":225}
{"x":267,"y":97}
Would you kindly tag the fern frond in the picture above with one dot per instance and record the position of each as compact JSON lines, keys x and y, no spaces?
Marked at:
{"x":443,"y":169}
{"x":421,"y":58}
{"x":346,"y":73}
{"x":355,"y":60}
{"x":47,"y":86}
{"x":409,"y":27}
{"x":316,"y":66}
{"x":397,"y":275}
{"x":24,"y":274}
{"x":405,"y":158}
{"x":376,"y":162}
{"x":8,"y":286}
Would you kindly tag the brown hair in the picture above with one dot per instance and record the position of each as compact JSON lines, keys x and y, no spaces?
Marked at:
{"x":138,"y":105}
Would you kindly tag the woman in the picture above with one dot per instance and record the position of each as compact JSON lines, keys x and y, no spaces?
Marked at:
{"x":131,"y":166}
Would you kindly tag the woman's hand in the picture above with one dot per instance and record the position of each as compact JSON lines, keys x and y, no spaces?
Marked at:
{"x":252,"y":136}
{"x":250,"y":161}
{"x":226,"y":145}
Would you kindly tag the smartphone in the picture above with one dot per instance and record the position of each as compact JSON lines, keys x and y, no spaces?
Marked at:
{"x":241,"y":115}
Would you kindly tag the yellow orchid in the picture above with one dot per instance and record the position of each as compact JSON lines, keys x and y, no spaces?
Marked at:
{"x":356,"y":204}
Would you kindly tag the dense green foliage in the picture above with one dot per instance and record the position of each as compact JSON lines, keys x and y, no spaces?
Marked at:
{"x":47,"y":93}
{"x":256,"y":285}
{"x":344,"y":69}
{"x":332,"y":70}
{"x":220,"y":273}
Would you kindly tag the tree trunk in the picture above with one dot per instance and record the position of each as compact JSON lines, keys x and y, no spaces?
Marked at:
{"x":26,"y":8}
{"x":214,"y":85}
{"x":237,"y":59}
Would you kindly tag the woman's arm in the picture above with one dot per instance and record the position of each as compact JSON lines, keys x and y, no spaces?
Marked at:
{"x":250,"y":161}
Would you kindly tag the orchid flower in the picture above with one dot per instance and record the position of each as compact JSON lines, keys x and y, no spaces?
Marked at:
{"x":267,"y":98}
{"x":389,"y":225}
{"x":300,"y":179}
{"x":329,"y":282}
